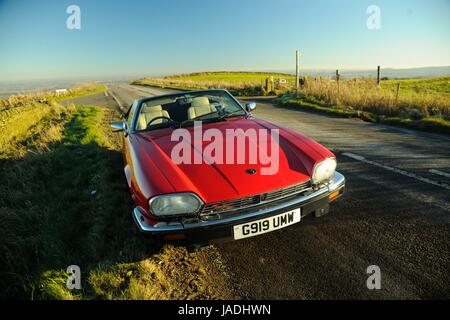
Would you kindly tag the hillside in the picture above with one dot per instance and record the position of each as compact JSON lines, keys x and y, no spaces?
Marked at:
{"x":239,"y":83}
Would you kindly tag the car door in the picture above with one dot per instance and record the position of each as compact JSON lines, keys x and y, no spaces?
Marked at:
{"x":128,"y":142}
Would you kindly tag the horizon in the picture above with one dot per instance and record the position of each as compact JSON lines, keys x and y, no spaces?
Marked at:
{"x":170,"y":38}
{"x":105,"y":78}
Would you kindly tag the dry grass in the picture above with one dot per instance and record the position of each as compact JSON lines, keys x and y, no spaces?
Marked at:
{"x":422,"y":104}
{"x":365,"y":95}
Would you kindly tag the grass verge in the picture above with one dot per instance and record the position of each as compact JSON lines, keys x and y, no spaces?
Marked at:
{"x":83,"y":89}
{"x":64,"y":201}
{"x":432,"y":124}
{"x":18,"y":101}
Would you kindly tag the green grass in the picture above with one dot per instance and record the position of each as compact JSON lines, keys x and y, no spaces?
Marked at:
{"x":20,"y":113}
{"x":232,"y":77}
{"x":433,"y":86}
{"x":239,"y":83}
{"x":16,"y":122}
{"x":50,"y":218}
{"x":46,"y":196}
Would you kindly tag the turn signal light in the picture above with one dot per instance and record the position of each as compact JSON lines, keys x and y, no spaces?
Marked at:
{"x":333,"y":195}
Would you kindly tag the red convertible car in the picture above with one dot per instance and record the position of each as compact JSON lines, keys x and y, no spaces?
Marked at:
{"x":190,"y":182}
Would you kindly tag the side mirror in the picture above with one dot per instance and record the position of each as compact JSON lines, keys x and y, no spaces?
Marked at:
{"x":250,"y":106}
{"x":118,"y":126}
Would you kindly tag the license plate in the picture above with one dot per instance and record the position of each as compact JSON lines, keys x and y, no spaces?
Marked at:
{"x":265,"y":225}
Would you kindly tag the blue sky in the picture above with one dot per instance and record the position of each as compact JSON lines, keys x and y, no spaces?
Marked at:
{"x":131,"y":38}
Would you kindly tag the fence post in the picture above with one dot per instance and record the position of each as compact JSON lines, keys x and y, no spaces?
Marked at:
{"x":398,"y":92}
{"x":337,"y":79}
{"x":378,"y":75}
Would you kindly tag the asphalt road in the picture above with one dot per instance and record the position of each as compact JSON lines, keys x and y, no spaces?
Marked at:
{"x":395,"y":215}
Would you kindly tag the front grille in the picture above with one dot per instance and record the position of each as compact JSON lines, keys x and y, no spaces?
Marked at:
{"x":285,"y":192}
{"x":245,"y":202}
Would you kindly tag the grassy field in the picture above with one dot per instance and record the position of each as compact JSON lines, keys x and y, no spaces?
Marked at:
{"x":64,"y":201}
{"x":432,"y":86}
{"x":238,"y":83}
{"x":419,"y":103}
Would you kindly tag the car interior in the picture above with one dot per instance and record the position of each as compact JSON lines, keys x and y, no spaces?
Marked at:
{"x":149,"y":113}
{"x":180,"y":109}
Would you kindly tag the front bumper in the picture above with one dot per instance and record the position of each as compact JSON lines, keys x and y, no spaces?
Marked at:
{"x":207,"y":231}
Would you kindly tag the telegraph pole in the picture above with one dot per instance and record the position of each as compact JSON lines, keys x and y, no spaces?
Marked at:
{"x":297,"y":63}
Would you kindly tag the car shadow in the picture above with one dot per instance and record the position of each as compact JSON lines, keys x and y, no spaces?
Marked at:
{"x":64,"y":203}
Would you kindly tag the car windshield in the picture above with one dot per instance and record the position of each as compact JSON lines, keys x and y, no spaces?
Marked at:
{"x":183,"y":109}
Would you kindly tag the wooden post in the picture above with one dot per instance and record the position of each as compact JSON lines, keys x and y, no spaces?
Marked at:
{"x":267,"y":85}
{"x":398,"y":92}
{"x":337,"y":80}
{"x":297,"y":62}
{"x":378,"y":75}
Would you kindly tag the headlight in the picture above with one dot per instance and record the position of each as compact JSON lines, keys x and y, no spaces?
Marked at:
{"x":324,"y":170}
{"x":175,"y":204}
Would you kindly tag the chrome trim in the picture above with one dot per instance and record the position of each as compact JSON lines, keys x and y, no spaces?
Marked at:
{"x":306,"y":184}
{"x":250,"y":106}
{"x":337,"y":183}
{"x":118,"y":125}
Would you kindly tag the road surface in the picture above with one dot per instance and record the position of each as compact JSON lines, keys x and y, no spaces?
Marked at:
{"x":395,"y":215}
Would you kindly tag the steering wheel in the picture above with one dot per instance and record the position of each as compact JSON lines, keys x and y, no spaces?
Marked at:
{"x":160,"y":117}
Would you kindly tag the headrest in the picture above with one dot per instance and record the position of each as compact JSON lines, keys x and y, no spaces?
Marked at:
{"x":200,"y":102}
{"x":146,"y":108}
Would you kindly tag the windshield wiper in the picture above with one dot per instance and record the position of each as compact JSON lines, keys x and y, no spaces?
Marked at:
{"x":203,"y":115}
{"x":197,"y":118}
{"x":226,"y":115}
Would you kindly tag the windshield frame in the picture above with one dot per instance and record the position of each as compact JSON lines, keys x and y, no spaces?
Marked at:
{"x":176,"y":95}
